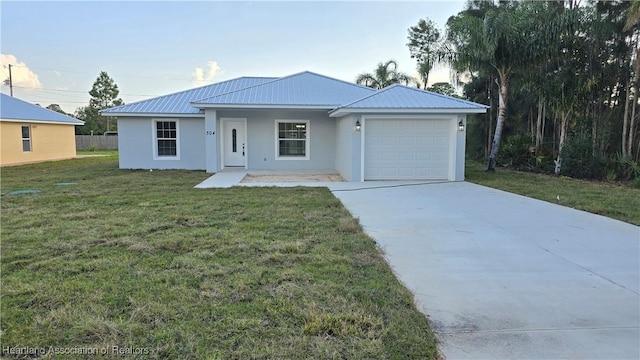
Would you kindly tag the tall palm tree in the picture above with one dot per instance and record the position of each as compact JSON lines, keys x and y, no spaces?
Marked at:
{"x":384,"y":75}
{"x":633,"y":18}
{"x":507,"y":39}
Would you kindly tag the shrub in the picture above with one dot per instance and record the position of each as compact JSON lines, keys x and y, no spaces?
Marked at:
{"x":544,"y":164}
{"x":516,"y":152}
{"x":578,"y":160}
{"x":625,"y":167}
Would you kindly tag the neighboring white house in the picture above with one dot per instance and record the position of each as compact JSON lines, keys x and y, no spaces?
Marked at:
{"x":304,"y":121}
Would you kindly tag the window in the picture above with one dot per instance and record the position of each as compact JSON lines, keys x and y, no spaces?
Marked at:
{"x":234,"y":140}
{"x":26,"y":138}
{"x":292,"y":139}
{"x":166,"y":139}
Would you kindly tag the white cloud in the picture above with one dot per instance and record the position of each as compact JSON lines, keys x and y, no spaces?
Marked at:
{"x":202,"y":76}
{"x":20,"y":73}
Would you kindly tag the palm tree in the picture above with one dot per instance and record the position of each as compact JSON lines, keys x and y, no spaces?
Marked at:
{"x":633,"y":18}
{"x":507,"y":39}
{"x":633,"y":15}
{"x":424,"y":68}
{"x":384,"y":75}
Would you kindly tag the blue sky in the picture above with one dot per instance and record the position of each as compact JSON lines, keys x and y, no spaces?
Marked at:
{"x":153,"y":48}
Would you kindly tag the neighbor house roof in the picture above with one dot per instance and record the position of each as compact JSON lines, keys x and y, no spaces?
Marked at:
{"x":16,"y":110}
{"x":400,"y":98}
{"x":302,"y":90}
{"x":179,"y":103}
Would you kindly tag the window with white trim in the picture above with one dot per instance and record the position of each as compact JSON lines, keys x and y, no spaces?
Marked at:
{"x":292,"y":139}
{"x":166,"y":139}
{"x":26,"y":138}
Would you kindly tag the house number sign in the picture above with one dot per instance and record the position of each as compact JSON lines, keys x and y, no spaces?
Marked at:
{"x":210,"y":132}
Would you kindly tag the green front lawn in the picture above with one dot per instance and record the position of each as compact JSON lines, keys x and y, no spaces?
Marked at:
{"x":142,"y":261}
{"x":611,"y":200}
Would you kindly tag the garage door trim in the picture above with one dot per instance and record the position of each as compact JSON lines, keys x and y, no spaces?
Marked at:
{"x":454,"y":140}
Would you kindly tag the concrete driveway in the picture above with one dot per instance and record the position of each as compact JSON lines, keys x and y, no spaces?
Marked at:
{"x":503,"y":276}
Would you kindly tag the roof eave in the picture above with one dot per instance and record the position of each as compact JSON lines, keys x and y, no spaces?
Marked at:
{"x":347,"y":111}
{"x":149,"y":114}
{"x":263,"y":106}
{"x":79,"y":122}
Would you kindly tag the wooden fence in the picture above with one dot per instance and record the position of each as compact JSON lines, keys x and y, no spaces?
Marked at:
{"x":96,"y":142}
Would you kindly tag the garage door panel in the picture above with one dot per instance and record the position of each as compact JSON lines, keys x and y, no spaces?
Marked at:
{"x":441,"y":157}
{"x":374,"y":140}
{"x":407,"y":149}
{"x":407,"y":140}
{"x":406,"y":171}
{"x":440,"y":140}
{"x":424,"y":140}
{"x":388,"y":171}
{"x":407,"y":125}
{"x":406,"y":156}
{"x":389,"y":156}
{"x":389,"y":140}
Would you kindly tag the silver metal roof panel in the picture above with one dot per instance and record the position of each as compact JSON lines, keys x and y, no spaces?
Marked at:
{"x":404,"y":97}
{"x":305,"y":89}
{"x":179,"y":103}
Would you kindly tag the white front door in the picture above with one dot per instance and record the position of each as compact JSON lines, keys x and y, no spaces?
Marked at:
{"x":234,"y":143}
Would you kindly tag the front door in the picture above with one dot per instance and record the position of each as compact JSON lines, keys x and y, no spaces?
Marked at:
{"x":234,"y":143}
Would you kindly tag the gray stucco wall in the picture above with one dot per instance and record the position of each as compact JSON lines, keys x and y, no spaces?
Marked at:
{"x":460,"y":148}
{"x":261,"y":140}
{"x":344,"y":158}
{"x":136,"y":147}
{"x":348,"y":151}
{"x":335,"y":145}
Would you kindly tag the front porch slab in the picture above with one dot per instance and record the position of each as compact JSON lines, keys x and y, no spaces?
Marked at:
{"x":279,"y":176}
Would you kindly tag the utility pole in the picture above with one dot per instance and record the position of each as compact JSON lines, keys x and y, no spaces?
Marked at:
{"x":10,"y":81}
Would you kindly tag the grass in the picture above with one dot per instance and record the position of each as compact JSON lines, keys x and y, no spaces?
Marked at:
{"x":97,"y":152}
{"x":142,"y":261}
{"x":615,"y":201}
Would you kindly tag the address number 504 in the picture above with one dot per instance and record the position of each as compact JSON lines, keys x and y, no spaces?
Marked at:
{"x":210,"y":132}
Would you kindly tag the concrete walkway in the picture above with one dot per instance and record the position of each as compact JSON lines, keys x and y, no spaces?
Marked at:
{"x":503,"y":276}
{"x":223,"y":179}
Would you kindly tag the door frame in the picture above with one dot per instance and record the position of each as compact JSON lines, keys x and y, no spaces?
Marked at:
{"x":223,"y":128}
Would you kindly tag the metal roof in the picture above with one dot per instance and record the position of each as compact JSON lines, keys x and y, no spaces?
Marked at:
{"x":404,"y":97}
{"x":179,"y":103}
{"x":302,"y":90}
{"x":305,"y":90}
{"x":19,"y":110}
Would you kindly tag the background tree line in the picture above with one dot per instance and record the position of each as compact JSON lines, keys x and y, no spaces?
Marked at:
{"x":561,"y":79}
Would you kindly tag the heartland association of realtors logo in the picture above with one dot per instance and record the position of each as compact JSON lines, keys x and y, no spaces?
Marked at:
{"x":41,"y":351}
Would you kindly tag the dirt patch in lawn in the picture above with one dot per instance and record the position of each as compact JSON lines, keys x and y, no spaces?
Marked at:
{"x":276,"y":177}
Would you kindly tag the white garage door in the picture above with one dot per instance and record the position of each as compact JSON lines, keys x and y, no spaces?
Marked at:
{"x":404,"y":149}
